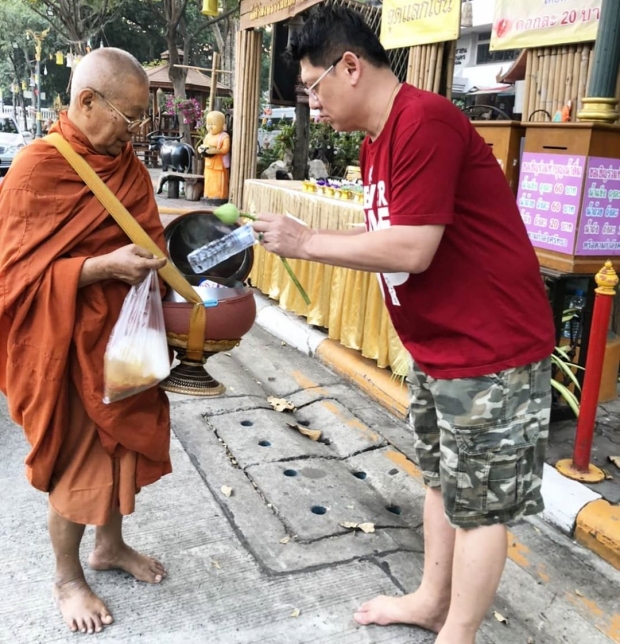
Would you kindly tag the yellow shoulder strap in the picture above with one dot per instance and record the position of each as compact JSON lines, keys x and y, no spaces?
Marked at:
{"x":138,"y":236}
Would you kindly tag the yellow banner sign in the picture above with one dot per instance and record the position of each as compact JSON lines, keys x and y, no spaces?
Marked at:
{"x":258,"y":13}
{"x":405,"y":23}
{"x":542,"y":23}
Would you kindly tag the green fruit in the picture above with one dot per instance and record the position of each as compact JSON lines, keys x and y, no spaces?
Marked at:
{"x":228,"y":213}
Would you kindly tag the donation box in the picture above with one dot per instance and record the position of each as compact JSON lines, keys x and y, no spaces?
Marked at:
{"x":504,"y":139}
{"x":569,"y":194}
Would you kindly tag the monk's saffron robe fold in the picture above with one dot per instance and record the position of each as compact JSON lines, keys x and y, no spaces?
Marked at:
{"x":51,"y":331}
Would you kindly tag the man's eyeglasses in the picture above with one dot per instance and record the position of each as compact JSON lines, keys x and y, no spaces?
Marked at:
{"x":132,"y":124}
{"x":311,"y":91}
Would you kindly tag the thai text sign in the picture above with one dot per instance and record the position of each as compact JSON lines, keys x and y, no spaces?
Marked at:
{"x":549,"y":197}
{"x":406,"y":23}
{"x":599,"y":228}
{"x":541,"y":23}
{"x":258,"y":13}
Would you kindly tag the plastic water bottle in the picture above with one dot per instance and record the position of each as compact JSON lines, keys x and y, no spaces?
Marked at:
{"x":572,"y":327}
{"x":219,"y":250}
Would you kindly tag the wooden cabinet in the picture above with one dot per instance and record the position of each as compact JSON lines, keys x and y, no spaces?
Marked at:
{"x":504,"y":138}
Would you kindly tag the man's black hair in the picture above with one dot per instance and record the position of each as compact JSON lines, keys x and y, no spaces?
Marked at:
{"x":329,"y":31}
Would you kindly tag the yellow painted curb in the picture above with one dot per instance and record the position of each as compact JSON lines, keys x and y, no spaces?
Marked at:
{"x":598,"y":528}
{"x":376,"y":382}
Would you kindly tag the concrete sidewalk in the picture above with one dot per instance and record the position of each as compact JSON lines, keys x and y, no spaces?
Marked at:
{"x":589,"y":513}
{"x":272,"y":563}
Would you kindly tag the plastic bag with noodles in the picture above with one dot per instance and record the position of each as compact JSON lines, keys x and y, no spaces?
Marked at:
{"x":136,"y":357}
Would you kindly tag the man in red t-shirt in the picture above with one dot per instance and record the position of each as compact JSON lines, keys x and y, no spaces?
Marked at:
{"x":462,"y":286}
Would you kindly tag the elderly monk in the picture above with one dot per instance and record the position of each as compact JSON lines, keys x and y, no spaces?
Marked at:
{"x":65,"y":269}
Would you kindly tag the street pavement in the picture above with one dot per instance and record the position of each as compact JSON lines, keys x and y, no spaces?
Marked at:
{"x":588,"y":512}
{"x":272,"y":563}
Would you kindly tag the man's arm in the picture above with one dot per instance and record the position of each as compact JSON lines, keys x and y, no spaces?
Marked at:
{"x":408,"y":249}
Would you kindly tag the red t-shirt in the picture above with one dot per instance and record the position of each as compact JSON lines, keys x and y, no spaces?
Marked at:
{"x":481,"y":306}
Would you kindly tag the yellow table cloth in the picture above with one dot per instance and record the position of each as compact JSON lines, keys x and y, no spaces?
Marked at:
{"x":348,"y":303}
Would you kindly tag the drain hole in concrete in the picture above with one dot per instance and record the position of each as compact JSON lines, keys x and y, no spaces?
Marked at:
{"x":360,"y":475}
{"x":318,"y":509}
{"x":247,"y":423}
{"x":264,"y":443}
{"x":290,"y":472}
{"x":394,"y":509}
{"x":305,"y":423}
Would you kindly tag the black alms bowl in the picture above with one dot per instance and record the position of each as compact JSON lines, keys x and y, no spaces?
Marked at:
{"x":193,"y":230}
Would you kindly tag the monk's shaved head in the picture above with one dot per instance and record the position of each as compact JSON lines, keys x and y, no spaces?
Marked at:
{"x":107,"y":70}
{"x":109,"y":96}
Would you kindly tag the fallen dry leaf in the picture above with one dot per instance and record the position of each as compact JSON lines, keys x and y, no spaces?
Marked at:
{"x":285,"y":539}
{"x":615,"y":460}
{"x":227,"y":354}
{"x":500,"y":618}
{"x":366,"y":527}
{"x":607,"y":473}
{"x":281,"y":404}
{"x":296,"y":612}
{"x":578,"y":593}
{"x":312,"y":434}
{"x":227,"y":491}
{"x":216,"y":564}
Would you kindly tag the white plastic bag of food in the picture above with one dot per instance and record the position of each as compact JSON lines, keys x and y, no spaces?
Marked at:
{"x":136,"y":357}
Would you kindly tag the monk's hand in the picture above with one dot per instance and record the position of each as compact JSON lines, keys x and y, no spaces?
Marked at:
{"x":283,"y":236}
{"x":132,"y":264}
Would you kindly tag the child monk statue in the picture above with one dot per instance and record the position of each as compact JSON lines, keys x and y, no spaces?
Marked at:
{"x":216,"y":149}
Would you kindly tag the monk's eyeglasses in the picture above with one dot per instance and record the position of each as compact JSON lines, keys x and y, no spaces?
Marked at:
{"x":311,"y":91}
{"x":132,"y":124}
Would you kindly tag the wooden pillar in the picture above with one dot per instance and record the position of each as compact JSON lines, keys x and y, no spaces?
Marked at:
{"x":601,"y":104}
{"x":302,"y":133}
{"x":214,"y":70}
{"x":245,"y":111}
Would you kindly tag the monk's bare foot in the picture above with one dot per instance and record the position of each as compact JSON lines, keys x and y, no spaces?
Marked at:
{"x":81,"y":609}
{"x":143,"y":568}
{"x":413,"y":609}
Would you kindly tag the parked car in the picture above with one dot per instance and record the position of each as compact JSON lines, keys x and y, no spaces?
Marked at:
{"x":12,"y":140}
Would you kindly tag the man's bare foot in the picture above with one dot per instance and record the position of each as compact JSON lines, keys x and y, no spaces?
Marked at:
{"x":143,"y":568}
{"x":81,"y":609}
{"x":409,"y":609}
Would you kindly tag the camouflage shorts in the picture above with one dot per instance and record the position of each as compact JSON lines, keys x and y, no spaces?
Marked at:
{"x":483,"y":440}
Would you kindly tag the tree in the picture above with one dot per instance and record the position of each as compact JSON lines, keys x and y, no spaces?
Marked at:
{"x":80,"y":23}
{"x":140,"y":30}
{"x":180,"y":36}
{"x":174,"y":14}
{"x":17,"y":53}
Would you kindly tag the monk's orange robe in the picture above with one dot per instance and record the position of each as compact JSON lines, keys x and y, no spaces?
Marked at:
{"x":53,"y":335}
